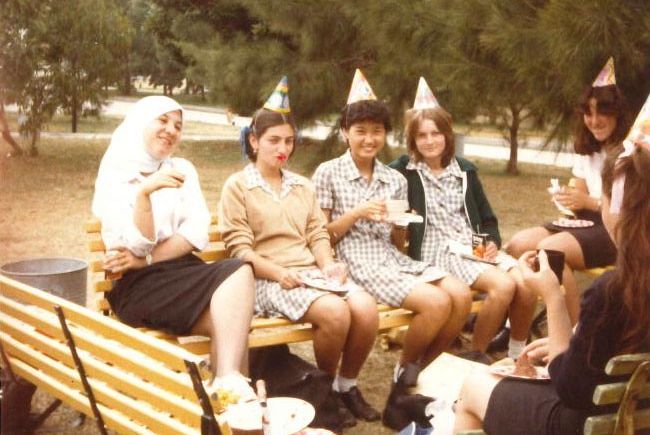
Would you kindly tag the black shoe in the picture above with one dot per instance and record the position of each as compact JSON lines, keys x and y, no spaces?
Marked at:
{"x":403,"y":408}
{"x":500,"y":341}
{"x":345,"y":415}
{"x":476,"y":356}
{"x":355,"y":402}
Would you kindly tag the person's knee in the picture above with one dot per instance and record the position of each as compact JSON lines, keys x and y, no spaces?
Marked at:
{"x":363,"y":310}
{"x":330,"y":314}
{"x":438,"y":304}
{"x":517,"y":245}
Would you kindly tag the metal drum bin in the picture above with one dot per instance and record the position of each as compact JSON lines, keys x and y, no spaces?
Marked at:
{"x":63,"y":277}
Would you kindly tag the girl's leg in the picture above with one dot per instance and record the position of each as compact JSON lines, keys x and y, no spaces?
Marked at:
{"x":526,"y":240}
{"x":500,"y":289}
{"x":227,"y":321}
{"x":364,"y":322}
{"x":330,"y":318}
{"x":473,"y":400}
{"x":431,"y":308}
{"x":461,"y":300}
{"x":522,"y":308}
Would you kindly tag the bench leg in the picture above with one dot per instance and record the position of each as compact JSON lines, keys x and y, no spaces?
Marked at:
{"x":82,"y":372}
{"x":209,"y":424}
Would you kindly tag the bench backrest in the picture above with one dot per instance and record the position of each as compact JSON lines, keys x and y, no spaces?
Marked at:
{"x":140,"y":382}
{"x":630,"y":417}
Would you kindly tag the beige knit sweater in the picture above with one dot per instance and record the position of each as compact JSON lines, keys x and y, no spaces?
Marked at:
{"x":285,"y":231}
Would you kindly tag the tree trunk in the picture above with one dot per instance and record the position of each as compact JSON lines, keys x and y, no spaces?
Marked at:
{"x":74,"y":111}
{"x":6,"y":134}
{"x":127,"y":83}
{"x":514,"y":143}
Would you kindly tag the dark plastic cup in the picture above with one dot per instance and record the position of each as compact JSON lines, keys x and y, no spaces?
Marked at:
{"x":555,"y":260}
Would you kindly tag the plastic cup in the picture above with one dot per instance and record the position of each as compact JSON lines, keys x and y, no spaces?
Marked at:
{"x":555,"y":260}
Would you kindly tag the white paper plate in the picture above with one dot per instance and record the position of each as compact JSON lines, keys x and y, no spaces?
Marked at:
{"x":508,"y":372}
{"x":287,"y":415}
{"x":314,"y":278}
{"x":404,"y":218}
{"x":573,"y":223}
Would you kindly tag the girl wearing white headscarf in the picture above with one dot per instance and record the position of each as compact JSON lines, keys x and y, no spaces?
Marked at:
{"x":153,"y":216}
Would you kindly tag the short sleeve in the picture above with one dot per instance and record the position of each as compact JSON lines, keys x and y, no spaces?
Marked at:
{"x":322,"y":183}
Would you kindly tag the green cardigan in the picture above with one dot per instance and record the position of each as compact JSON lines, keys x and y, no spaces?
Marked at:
{"x":477,"y":207}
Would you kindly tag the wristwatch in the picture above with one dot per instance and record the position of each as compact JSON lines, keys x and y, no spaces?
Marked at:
{"x":149,"y":259}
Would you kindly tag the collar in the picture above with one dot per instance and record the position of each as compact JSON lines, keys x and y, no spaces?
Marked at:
{"x":452,"y":170}
{"x":351,"y":172}
{"x":253,"y":178}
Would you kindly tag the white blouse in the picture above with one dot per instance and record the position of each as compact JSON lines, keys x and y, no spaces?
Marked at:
{"x":180,"y":211}
{"x":589,"y":167}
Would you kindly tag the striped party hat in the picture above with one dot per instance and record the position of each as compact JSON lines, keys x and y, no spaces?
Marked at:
{"x":279,"y":99}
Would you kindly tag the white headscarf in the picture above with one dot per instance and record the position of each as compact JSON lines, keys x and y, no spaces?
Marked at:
{"x":127,"y":156}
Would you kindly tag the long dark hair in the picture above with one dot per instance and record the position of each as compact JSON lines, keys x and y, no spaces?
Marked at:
{"x":412,"y":120}
{"x":609,"y":101}
{"x":263,"y":119}
{"x":628,"y":290}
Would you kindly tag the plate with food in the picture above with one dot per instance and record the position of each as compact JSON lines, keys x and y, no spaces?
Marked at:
{"x":522,"y":369}
{"x":573,"y":223}
{"x":287,"y":415}
{"x":314,"y":278}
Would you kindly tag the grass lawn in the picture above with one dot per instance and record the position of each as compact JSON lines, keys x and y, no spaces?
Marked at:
{"x":45,"y":201}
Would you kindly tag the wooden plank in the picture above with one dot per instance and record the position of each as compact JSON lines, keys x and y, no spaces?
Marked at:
{"x":103,"y":325}
{"x":625,"y":364}
{"x":604,"y":424}
{"x":104,"y":394}
{"x":76,"y":400}
{"x":106,"y":349}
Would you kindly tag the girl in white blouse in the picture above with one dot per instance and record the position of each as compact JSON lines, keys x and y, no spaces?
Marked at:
{"x":153,"y":216}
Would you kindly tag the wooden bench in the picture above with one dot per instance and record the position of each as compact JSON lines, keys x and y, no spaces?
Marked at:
{"x":627,"y":395}
{"x":128,"y":381}
{"x":264,"y":331}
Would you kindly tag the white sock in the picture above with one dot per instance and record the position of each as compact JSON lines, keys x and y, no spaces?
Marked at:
{"x":397,"y":371}
{"x":515,"y":347}
{"x":343,"y":385}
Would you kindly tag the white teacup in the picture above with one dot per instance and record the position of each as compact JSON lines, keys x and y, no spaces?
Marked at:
{"x":396,"y":207}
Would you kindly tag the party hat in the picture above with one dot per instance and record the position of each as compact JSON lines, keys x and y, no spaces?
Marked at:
{"x":360,"y":89}
{"x":279,"y":99}
{"x":424,"y":98}
{"x":606,"y":76}
{"x":639,"y":134}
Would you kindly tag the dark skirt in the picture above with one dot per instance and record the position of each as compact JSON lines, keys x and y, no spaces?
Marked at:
{"x":533,"y":408}
{"x":597,"y":247}
{"x":169,"y":295}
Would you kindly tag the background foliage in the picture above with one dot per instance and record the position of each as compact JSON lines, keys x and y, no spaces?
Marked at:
{"x":517,"y":65}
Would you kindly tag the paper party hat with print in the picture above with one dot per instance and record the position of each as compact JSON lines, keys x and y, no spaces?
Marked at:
{"x":639,"y":134}
{"x":360,"y":89}
{"x":279,"y":99}
{"x":424,"y":98}
{"x":606,"y":76}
